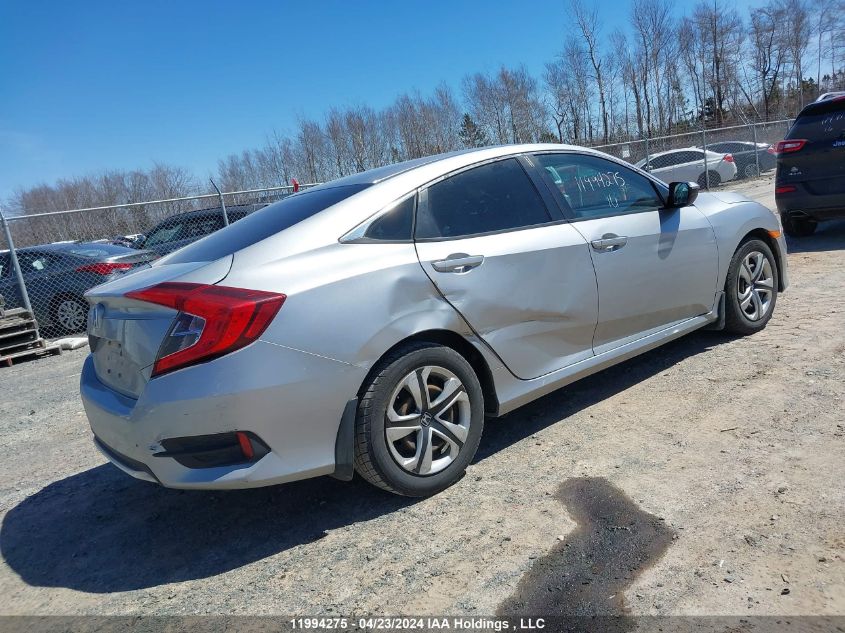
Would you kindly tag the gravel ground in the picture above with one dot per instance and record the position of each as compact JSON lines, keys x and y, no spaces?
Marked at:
{"x":728,"y":451}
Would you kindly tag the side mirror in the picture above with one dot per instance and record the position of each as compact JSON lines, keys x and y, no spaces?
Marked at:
{"x":682,"y":194}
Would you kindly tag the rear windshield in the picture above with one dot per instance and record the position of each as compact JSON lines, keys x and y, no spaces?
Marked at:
{"x":263,"y":223}
{"x":820,"y":122}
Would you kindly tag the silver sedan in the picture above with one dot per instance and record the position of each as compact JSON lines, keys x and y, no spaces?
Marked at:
{"x":370,"y":324}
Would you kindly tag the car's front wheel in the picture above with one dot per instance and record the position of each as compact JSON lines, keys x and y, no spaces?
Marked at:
{"x":420,"y":418}
{"x":711,"y":179}
{"x":751,"y":289}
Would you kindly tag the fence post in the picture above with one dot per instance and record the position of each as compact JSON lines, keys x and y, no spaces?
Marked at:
{"x":756,"y":149}
{"x":15,"y":264}
{"x":647,"y":156}
{"x":706,"y":170}
{"x":222,"y":204}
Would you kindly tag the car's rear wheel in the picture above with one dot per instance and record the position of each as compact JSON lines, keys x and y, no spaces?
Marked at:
{"x":751,"y":289}
{"x":420,"y":418}
{"x":70,"y":314}
{"x":796,"y":226}
{"x":715,"y":179}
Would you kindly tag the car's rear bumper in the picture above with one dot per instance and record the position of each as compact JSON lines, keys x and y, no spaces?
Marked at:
{"x":292,"y":400}
{"x":817,"y":207}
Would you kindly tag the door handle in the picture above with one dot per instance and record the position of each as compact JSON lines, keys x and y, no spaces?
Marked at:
{"x":609,"y":242}
{"x":457,"y":263}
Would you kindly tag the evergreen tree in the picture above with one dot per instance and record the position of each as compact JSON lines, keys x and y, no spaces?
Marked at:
{"x":471,"y":135}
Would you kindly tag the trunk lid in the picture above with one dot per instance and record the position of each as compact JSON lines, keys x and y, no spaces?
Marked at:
{"x":125,"y":334}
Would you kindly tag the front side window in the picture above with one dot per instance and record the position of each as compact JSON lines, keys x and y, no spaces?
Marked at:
{"x":35,"y":262}
{"x":494,"y":197}
{"x":663,"y":160}
{"x":592,"y":187}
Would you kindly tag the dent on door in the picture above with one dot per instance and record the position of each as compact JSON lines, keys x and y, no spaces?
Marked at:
{"x":530,"y":294}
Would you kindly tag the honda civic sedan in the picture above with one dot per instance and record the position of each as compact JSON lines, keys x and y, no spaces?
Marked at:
{"x":371,"y":324}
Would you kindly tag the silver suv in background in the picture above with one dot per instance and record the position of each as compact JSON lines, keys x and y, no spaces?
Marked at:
{"x":371,"y":323}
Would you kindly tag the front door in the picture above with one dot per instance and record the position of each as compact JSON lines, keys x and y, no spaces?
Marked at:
{"x":655,"y":267}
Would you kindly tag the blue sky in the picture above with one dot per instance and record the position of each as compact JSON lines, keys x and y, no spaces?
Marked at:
{"x":86,"y":86}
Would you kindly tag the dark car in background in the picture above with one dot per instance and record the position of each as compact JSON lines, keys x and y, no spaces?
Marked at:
{"x":184,"y":228}
{"x":57,"y":275}
{"x":810,"y":177}
{"x":747,"y":156}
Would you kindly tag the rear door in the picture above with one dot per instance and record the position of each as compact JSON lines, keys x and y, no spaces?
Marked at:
{"x":655,"y":267}
{"x":690,"y":166}
{"x":520,"y":276}
{"x":818,"y":166}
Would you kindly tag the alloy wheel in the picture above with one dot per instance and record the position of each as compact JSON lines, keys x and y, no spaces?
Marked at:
{"x":427,"y":420}
{"x":755,"y":286}
{"x":71,"y":315}
{"x":750,"y":170}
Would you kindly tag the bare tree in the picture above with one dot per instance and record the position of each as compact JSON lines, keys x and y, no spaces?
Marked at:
{"x":588,"y":24}
{"x":797,"y":29}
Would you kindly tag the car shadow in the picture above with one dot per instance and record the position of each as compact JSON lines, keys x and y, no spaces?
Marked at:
{"x":100,"y":531}
{"x":500,"y":433}
{"x":829,"y":236}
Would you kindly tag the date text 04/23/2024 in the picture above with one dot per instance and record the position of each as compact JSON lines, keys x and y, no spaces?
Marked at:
{"x":419,"y":623}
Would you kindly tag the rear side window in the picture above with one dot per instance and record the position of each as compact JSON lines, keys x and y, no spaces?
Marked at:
{"x":396,"y":225}
{"x":494,"y":197}
{"x":5,"y":268}
{"x":820,"y":122}
{"x":263,"y":223}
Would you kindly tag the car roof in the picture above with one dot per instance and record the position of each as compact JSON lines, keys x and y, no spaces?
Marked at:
{"x":472,"y":155}
{"x":677,"y":149}
{"x":834,"y":104}
{"x":212,"y":211}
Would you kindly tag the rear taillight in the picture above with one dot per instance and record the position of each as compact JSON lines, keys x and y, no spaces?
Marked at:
{"x":103,"y":268}
{"x":728,"y":158}
{"x":212,"y":320}
{"x":792,"y":145}
{"x":785,"y":189}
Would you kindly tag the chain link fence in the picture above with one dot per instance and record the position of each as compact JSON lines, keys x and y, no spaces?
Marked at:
{"x":52,"y":258}
{"x":681,"y":156}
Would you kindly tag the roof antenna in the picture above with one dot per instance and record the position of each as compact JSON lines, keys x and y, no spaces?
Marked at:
{"x":222,"y":203}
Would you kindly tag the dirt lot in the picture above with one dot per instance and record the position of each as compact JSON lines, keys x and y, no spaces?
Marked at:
{"x":722,"y":459}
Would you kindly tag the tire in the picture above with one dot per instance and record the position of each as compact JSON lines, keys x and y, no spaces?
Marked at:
{"x":70,"y":314}
{"x":751,"y":289}
{"x":797,"y":226}
{"x":715,"y":180}
{"x":750,"y":170}
{"x":398,"y":462}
